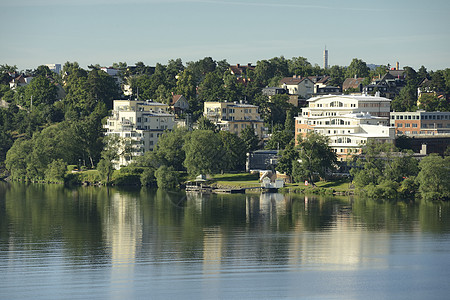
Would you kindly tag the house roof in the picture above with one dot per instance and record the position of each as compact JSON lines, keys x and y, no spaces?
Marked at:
{"x":319,"y":79}
{"x":293,"y":80}
{"x":239,"y":69}
{"x":175,"y":99}
{"x":352,"y":83}
{"x":397,"y":73}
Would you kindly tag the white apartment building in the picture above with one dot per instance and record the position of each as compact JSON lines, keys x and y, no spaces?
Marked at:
{"x":139,"y":124}
{"x":348,"y":121}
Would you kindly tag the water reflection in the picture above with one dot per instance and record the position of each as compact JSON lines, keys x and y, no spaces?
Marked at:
{"x":127,"y":243}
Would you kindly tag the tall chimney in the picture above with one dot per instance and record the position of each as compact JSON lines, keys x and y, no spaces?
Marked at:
{"x":397,"y":66}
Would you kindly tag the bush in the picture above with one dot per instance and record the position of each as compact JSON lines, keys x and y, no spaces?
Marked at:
{"x":55,"y":171}
{"x":126,"y":179}
{"x":148,"y":177}
{"x":70,"y":168}
{"x":166,"y":177}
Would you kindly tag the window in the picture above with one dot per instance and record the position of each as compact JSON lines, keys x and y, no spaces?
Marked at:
{"x":407,"y":125}
{"x":399,"y":125}
{"x":414,"y":125}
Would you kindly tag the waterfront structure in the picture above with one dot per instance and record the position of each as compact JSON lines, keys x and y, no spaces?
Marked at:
{"x":138,"y":125}
{"x":234,"y":116}
{"x":420,"y":123}
{"x":348,"y":121}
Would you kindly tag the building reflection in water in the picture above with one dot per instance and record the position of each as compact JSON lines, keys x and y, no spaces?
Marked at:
{"x":342,"y":244}
{"x":123,"y":233}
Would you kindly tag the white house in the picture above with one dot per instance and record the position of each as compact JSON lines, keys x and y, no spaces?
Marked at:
{"x":297,"y":85}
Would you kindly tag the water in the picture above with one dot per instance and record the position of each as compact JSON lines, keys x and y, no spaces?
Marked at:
{"x":99,"y":243}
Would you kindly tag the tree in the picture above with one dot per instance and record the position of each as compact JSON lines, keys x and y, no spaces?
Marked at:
{"x":105,"y":168}
{"x":434,"y":177}
{"x":288,"y":156}
{"x":279,"y":139}
{"x":17,"y":158}
{"x":316,"y":155}
{"x":40,"y":91}
{"x":250,"y":139}
{"x":204,"y":153}
{"x":235,"y":151}
{"x":56,"y":171}
{"x":169,"y":150}
{"x":357,"y":68}
{"x":406,"y":100}
{"x":205,"y":124}
{"x":422,"y":74}
{"x":299,"y":66}
{"x":166,"y":178}
{"x":211,"y":88}
{"x":430,"y":102}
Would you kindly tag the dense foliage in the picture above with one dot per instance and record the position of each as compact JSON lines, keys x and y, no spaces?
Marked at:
{"x":56,"y":119}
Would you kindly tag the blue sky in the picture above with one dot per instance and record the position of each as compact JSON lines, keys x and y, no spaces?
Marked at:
{"x":37,"y":32}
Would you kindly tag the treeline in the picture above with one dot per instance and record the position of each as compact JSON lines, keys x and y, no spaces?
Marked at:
{"x":56,"y":120}
{"x":382,"y":172}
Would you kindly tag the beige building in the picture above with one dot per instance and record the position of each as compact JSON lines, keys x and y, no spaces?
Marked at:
{"x":234,"y":116}
{"x":348,"y":121}
{"x":138,"y":125}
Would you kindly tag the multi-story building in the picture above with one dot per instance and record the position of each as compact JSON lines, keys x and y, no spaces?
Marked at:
{"x":420,"y":123}
{"x":234,"y":116}
{"x":138,"y":124}
{"x":349,"y":121}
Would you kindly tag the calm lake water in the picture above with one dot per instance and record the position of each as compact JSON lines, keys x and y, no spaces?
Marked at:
{"x":100,"y":243}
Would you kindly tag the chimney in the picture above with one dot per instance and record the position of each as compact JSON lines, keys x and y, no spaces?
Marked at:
{"x":249,"y":64}
{"x":238,"y":65}
{"x":397,"y":66}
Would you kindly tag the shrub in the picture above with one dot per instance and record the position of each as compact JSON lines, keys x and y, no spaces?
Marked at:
{"x":166,"y":177}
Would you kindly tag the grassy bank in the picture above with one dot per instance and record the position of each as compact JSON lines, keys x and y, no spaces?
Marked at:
{"x":245,"y":180}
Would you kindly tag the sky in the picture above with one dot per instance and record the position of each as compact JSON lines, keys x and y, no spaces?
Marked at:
{"x":37,"y":32}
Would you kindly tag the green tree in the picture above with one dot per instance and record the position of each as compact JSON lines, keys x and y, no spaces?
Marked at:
{"x":56,"y":171}
{"x":204,"y":123}
{"x":434,"y":177}
{"x":316,"y":155}
{"x":250,"y":139}
{"x":299,"y":66}
{"x":148,"y":177}
{"x":357,"y":68}
{"x":204,"y":153}
{"x":406,"y":100}
{"x":430,"y":102}
{"x":169,"y":150}
{"x":279,"y":139}
{"x":17,"y":158}
{"x":235,"y":151}
{"x":166,"y":178}
{"x":211,"y":88}
{"x":105,"y":168}
{"x":288,"y":156}
{"x":40,"y":91}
